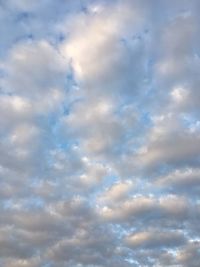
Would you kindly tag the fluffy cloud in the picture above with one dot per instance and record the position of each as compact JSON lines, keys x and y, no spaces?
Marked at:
{"x":99,"y":133}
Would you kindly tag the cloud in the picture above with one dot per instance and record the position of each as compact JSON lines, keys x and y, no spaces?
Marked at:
{"x":155,"y":240}
{"x":24,"y":78}
{"x":180,"y":180}
{"x":99,"y":133}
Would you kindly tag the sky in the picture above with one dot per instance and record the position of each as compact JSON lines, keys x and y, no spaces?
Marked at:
{"x":99,"y":133}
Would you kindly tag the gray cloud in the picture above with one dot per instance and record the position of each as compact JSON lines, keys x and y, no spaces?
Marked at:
{"x":155,"y":239}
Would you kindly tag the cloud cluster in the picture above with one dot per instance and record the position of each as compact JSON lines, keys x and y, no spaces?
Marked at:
{"x":99,"y":133}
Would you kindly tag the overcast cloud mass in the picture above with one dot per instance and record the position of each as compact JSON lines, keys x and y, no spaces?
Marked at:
{"x":99,"y":133}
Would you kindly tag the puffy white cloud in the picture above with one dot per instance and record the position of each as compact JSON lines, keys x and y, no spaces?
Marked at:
{"x":33,"y":68}
{"x":99,"y":133}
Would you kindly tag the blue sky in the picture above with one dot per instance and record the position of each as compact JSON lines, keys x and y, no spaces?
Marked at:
{"x":99,"y":133}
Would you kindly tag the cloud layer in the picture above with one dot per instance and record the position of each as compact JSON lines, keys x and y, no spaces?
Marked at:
{"x":99,"y":133}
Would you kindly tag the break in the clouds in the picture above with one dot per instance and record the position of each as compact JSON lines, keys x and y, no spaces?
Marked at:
{"x":99,"y":133}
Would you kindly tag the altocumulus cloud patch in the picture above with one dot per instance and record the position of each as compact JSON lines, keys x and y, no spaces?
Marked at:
{"x":99,"y":133}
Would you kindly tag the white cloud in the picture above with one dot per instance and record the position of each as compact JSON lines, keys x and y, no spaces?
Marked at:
{"x":99,"y":133}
